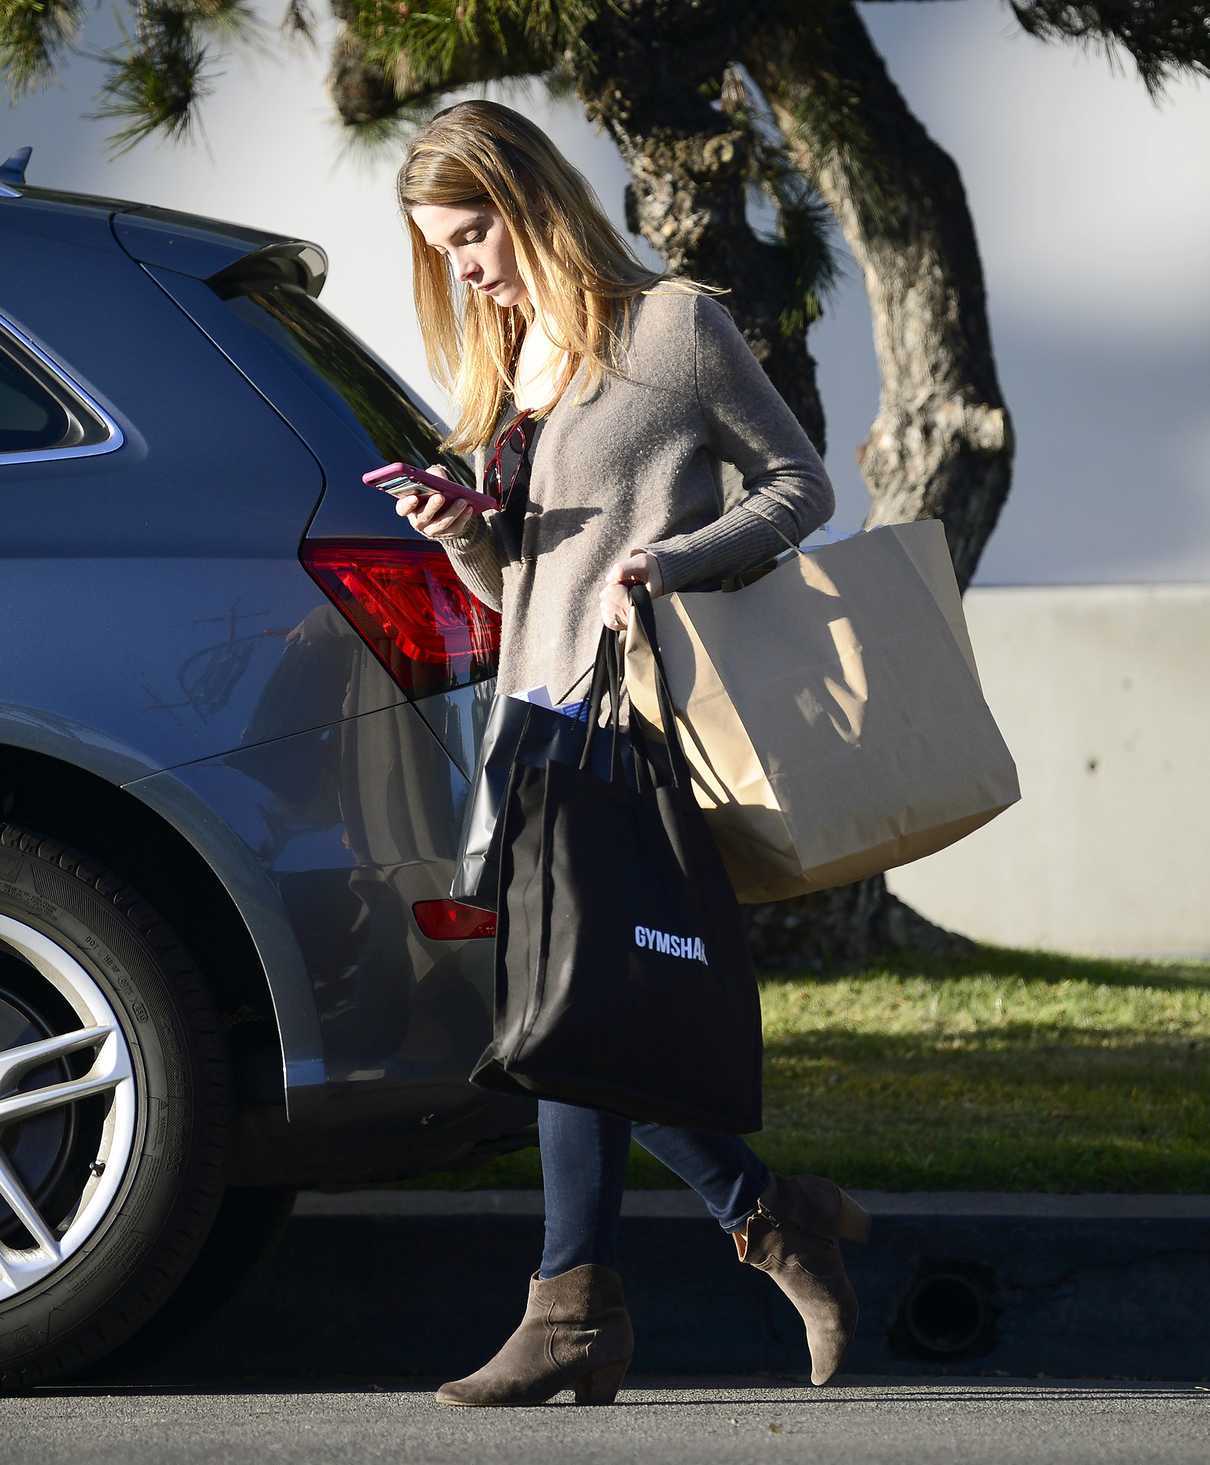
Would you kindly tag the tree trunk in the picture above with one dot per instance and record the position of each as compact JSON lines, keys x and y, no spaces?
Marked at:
{"x":691,"y":166}
{"x":942,"y":443}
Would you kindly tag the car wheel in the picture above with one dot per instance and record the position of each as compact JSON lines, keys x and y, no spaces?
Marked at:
{"x":115,"y":1109}
{"x":249,"y":1225}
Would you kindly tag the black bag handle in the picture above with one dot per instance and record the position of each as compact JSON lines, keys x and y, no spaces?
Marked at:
{"x":641,"y":759}
{"x":605,"y":677}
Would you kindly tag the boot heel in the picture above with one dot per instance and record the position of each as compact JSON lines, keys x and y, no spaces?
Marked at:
{"x":853,"y":1222}
{"x":601,"y":1386}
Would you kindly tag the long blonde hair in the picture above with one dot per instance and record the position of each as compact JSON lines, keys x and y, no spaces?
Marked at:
{"x":584,"y":273}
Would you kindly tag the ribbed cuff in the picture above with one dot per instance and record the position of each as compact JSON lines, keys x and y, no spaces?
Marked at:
{"x":473,"y":556}
{"x":741,"y":539}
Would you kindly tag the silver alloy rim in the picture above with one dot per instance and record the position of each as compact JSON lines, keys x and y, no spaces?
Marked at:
{"x":111,"y":1072}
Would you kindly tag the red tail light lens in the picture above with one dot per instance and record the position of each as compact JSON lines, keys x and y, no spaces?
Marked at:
{"x":450,"y":920}
{"x":407,"y":604}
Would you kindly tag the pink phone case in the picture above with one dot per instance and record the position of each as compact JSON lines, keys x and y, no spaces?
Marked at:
{"x":399,"y":477}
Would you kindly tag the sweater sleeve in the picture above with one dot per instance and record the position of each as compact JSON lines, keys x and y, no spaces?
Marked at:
{"x":474,"y":555}
{"x":748,"y":423}
{"x":476,"y":562}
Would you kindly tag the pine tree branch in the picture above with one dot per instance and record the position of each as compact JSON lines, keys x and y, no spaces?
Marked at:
{"x":805,"y":222}
{"x":156,"y":79}
{"x":396,"y":59}
{"x":33,"y":33}
{"x":1166,"y":38}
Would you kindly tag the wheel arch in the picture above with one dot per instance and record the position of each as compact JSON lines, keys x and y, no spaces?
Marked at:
{"x":157,"y":834}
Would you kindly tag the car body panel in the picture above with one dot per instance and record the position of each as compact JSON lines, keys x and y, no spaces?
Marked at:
{"x":185,"y":242}
{"x":458,"y":720}
{"x":247,"y":881}
{"x":57,"y":217}
{"x":347,"y":826}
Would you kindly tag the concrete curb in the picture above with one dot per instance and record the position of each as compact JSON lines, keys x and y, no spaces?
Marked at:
{"x":429,"y":1284}
{"x":683,"y":1204}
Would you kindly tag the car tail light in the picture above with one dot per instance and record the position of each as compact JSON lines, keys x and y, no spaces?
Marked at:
{"x":450,"y":920}
{"x":410,"y":608}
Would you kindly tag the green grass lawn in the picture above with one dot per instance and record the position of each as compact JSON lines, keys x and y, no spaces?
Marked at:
{"x":1008,"y":1070}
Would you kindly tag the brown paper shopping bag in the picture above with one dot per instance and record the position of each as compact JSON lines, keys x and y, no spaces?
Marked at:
{"x":831,"y":712}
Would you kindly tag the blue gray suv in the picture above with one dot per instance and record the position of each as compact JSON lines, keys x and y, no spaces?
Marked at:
{"x":239,"y":703}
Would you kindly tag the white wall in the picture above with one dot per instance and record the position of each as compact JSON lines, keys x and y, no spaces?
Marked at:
{"x":1103,"y":697}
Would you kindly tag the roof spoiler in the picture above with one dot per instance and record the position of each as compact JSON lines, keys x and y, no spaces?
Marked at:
{"x":293,"y":262}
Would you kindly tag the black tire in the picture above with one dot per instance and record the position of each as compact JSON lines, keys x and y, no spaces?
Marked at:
{"x":249,"y":1225}
{"x":172,"y":1177}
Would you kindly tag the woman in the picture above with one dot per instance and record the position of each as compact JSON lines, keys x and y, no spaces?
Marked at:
{"x":608,"y":394}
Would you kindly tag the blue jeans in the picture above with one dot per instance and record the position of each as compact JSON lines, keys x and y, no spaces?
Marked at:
{"x":584,"y":1158}
{"x":584,"y":1173}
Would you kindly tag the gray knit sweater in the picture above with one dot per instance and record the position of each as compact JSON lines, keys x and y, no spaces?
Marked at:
{"x":637,"y":466}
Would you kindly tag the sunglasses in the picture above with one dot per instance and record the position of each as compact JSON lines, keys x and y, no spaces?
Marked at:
{"x":515,"y":437}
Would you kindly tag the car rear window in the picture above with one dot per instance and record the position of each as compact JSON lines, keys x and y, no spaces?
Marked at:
{"x":37,"y":411}
{"x":363,"y":388}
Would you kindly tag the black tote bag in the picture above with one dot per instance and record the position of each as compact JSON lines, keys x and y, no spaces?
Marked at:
{"x":515,"y":730}
{"x":622,"y":975}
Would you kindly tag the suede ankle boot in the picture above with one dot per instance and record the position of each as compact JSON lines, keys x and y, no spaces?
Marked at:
{"x":793,"y":1236}
{"x":575,"y":1334}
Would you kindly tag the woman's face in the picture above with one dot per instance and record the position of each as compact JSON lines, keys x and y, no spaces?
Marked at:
{"x":479,"y":247}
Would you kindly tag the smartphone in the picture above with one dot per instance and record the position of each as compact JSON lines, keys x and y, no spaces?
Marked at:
{"x":397,"y":478}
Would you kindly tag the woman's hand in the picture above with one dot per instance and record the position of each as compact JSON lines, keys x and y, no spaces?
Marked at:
{"x":428,"y":513}
{"x":638,"y":568}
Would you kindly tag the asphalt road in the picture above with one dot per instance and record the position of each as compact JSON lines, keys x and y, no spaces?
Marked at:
{"x":703,"y":1421}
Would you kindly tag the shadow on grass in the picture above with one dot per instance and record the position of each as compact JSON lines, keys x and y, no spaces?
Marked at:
{"x":1006,"y":961}
{"x":1002,"y":1044}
